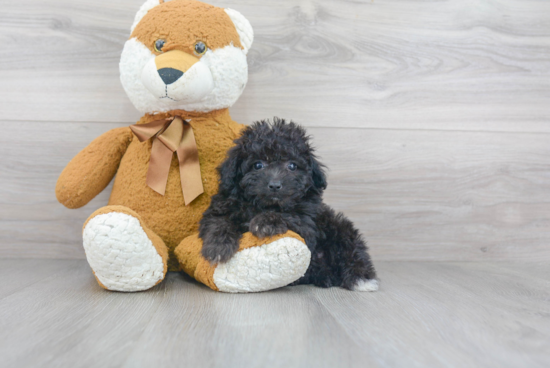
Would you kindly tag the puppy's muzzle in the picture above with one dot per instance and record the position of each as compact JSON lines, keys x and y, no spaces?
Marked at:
{"x":275,"y":185}
{"x":172,"y":65}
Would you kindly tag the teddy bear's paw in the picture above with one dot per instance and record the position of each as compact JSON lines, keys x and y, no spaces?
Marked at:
{"x":265,"y":267}
{"x":366,"y":285}
{"x":121,"y":254}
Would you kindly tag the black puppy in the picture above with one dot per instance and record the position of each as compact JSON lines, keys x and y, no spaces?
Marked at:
{"x":271,"y":182}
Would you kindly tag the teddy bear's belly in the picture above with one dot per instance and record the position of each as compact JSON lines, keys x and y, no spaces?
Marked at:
{"x":167,"y":215}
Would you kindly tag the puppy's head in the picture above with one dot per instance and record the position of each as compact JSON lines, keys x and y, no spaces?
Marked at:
{"x":185,"y":55}
{"x":272,"y":165}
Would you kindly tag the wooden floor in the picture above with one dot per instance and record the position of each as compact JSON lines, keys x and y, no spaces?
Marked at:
{"x":437,"y":314}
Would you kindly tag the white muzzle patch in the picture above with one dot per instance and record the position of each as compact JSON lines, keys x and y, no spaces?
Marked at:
{"x":192,"y":86}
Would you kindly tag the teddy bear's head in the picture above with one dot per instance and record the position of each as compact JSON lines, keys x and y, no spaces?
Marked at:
{"x":185,"y":55}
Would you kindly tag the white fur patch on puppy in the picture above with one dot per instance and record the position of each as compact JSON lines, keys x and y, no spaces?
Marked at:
{"x":366,"y":285}
{"x":121,"y":255}
{"x":262,"y":268}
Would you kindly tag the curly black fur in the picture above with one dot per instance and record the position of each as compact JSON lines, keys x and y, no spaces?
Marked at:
{"x":272,"y":182}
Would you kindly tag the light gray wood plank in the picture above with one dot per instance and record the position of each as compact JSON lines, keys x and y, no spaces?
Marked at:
{"x":442,"y":195}
{"x":422,"y":195}
{"x":18,"y":274}
{"x":426,"y":314}
{"x":67,"y":320}
{"x":456,"y":315}
{"x":282,"y":328}
{"x":30,"y":213}
{"x":458,"y":65}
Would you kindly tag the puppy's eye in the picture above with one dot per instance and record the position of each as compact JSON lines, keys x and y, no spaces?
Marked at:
{"x":292,"y":166}
{"x":200,"y":48}
{"x":258,"y":165}
{"x":159,"y":44}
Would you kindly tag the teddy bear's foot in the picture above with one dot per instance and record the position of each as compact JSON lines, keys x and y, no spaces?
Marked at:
{"x":259,"y":265}
{"x":272,"y":265}
{"x":123,"y":254}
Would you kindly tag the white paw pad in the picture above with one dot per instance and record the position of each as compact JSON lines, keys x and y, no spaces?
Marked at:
{"x":366,"y":285}
{"x":121,"y":255}
{"x":262,"y":268}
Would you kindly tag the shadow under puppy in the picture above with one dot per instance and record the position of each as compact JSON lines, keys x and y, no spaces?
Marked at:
{"x":271,"y":182}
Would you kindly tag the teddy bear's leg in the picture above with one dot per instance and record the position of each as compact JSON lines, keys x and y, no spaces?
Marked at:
{"x":123,"y":253}
{"x":259,"y":264}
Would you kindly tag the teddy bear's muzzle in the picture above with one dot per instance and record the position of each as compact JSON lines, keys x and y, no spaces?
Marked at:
{"x":177,"y":76}
{"x":173,"y":64}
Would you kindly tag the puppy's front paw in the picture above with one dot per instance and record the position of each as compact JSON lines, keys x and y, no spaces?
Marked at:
{"x":366,"y":285}
{"x":267,"y":224}
{"x":220,"y":251}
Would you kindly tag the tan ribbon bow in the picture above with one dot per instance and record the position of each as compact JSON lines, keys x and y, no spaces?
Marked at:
{"x":168,"y":136}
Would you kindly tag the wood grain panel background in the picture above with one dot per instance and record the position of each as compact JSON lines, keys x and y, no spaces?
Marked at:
{"x":433,"y":116}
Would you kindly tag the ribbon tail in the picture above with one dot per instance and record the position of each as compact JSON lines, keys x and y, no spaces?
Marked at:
{"x":190,"y":170}
{"x":159,"y":167}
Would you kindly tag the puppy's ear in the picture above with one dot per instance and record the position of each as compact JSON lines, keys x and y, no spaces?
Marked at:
{"x":318,"y":174}
{"x":230,"y":172}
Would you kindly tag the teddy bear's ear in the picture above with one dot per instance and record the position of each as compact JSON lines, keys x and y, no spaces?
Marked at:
{"x":149,"y":4}
{"x":244,"y":29}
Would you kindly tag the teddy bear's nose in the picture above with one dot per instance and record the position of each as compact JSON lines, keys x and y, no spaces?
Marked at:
{"x":169,"y":75}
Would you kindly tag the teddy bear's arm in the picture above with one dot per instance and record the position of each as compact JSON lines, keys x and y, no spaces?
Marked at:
{"x":91,"y":170}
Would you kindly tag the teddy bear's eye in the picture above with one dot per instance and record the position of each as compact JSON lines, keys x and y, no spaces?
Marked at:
{"x":159,"y":44}
{"x":258,"y":165}
{"x":200,"y":48}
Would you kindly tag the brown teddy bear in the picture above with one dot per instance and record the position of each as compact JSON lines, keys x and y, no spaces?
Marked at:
{"x":183,"y":67}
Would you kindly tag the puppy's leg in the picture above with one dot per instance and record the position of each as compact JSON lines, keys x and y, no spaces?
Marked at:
{"x":267,"y":224}
{"x":220,"y":238}
{"x":340,"y":257}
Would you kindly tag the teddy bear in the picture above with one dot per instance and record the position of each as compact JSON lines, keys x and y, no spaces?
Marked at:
{"x":183,"y":66}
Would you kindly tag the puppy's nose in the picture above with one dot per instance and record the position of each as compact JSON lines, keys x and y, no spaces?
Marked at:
{"x":169,"y":75}
{"x":275,"y":185}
